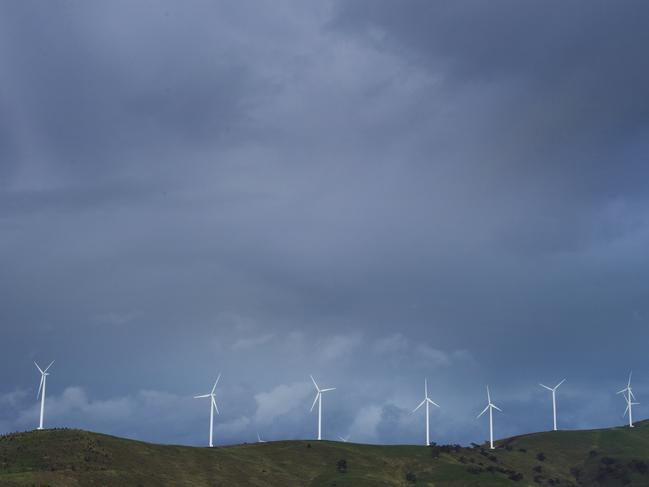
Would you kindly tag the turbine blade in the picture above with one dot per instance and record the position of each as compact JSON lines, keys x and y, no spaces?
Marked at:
{"x":620,"y":392}
{"x":215,"y":406}
{"x":629,"y":383}
{"x":631,"y":393}
{"x":483,"y":411}
{"x":488,"y":395}
{"x":48,"y":367}
{"x":626,"y":410}
{"x":315,"y":400}
{"x":496,"y":407}
{"x":543,"y":385}
{"x":557,"y":386}
{"x":426,"y":387}
{"x":39,"y":369}
{"x":329,"y":389}
{"x":40,"y":386}
{"x":217,"y":381}
{"x":315,"y":383}
{"x":202,"y":396}
{"x":420,"y":405}
{"x":432,"y":402}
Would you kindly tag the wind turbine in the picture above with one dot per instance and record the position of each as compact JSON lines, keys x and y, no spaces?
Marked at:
{"x":213,"y":407}
{"x":490,"y":406}
{"x":318,"y":399}
{"x":629,"y":397}
{"x":554,"y":400}
{"x":344,"y":439}
{"x":41,"y":390}
{"x":259,"y":440}
{"x":427,"y":401}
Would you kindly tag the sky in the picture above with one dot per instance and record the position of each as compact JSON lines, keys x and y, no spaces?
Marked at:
{"x":373,"y":192}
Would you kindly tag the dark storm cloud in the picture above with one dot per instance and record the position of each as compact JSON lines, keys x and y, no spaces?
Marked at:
{"x":567,"y":85}
{"x":369,"y":191}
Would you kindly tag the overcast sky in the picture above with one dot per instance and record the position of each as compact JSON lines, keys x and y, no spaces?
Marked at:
{"x":372,"y":192}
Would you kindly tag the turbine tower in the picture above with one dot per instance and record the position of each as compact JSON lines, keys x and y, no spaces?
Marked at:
{"x":554,"y":401}
{"x":427,"y":401}
{"x":213,"y":407}
{"x":490,"y":406}
{"x":629,"y":397}
{"x":41,"y":390}
{"x":318,"y":399}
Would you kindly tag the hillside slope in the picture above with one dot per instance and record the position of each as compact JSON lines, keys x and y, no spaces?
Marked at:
{"x":608,"y":457}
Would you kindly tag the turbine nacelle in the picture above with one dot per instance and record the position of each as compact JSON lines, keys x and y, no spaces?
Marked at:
{"x":489,"y":405}
{"x":553,"y":389}
{"x":426,"y":398}
{"x":319,"y":392}
{"x":44,"y":373}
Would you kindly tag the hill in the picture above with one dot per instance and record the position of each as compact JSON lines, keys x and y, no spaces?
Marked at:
{"x":607,"y":457}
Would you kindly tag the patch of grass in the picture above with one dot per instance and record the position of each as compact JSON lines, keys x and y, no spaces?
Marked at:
{"x":61,"y":457}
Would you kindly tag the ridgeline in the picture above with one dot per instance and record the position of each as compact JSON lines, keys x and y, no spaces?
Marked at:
{"x":605,"y":457}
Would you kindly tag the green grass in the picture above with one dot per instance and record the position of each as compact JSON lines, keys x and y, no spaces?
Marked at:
{"x":608,"y":457}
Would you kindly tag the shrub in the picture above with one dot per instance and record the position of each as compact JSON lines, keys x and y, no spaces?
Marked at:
{"x":341,"y":465}
{"x":608,"y":460}
{"x":411,"y":477}
{"x":516,"y":476}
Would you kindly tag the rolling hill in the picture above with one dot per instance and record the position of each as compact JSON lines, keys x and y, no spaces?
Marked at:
{"x":606,"y":457}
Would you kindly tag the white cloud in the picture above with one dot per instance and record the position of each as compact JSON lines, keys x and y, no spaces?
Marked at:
{"x":12,"y":399}
{"x":338,"y":346}
{"x":433,"y":356}
{"x":74,"y":408}
{"x":281,"y":400}
{"x":397,"y":344}
{"x":233,"y":427}
{"x":391,"y":344}
{"x":252,"y":342}
{"x":363,"y":427}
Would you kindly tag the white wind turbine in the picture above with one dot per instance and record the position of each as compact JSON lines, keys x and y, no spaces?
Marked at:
{"x":41,"y":390}
{"x":318,"y":399}
{"x":259,"y":440}
{"x":213,"y":406}
{"x":554,"y":401}
{"x":427,"y":401}
{"x":629,"y":397}
{"x":344,"y":439}
{"x":490,"y":406}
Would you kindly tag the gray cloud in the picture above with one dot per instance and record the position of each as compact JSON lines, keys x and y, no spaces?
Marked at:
{"x":369,"y":192}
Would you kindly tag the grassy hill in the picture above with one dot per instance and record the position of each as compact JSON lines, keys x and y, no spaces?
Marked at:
{"x":607,"y":457}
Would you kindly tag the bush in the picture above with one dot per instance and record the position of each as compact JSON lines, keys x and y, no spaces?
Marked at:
{"x":608,"y":460}
{"x":516,"y":477}
{"x":411,"y":477}
{"x":541,"y":457}
{"x":341,"y":465}
{"x":639,"y":466}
